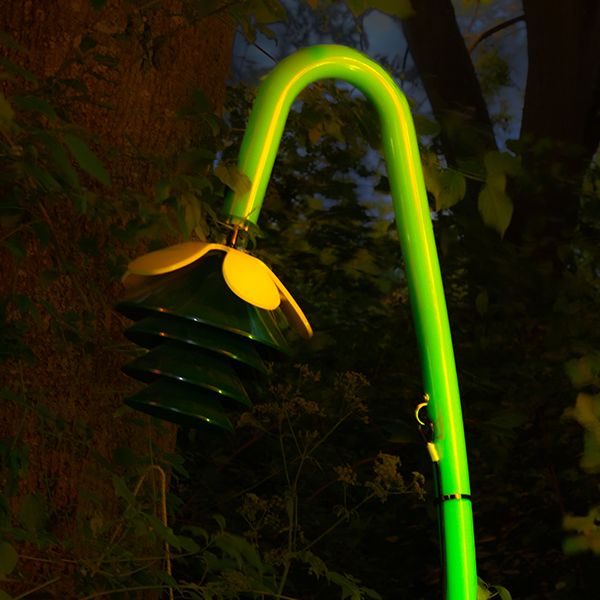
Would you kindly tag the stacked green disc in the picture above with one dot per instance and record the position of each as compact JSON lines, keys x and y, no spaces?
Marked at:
{"x":200,"y":340}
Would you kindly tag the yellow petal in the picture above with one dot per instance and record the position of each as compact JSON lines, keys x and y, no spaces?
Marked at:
{"x":250,"y":279}
{"x":292,"y":311}
{"x":171,"y":258}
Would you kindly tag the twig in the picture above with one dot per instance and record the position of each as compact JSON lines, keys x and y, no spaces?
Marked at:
{"x":489,"y":32}
{"x":37,"y":588}
{"x":264,"y":52}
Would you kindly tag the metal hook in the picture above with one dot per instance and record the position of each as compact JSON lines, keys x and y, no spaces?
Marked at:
{"x":418,"y":410}
{"x":426,"y":429}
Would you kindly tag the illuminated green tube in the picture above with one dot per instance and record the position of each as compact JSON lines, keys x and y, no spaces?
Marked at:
{"x":257,"y":155}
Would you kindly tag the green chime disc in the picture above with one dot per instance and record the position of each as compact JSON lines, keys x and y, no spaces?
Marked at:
{"x":179,"y":403}
{"x":154,"y":330}
{"x":177,"y":361}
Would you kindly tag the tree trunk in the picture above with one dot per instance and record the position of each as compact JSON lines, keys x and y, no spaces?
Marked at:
{"x":560,"y":129}
{"x":68,"y":434}
{"x":446,"y":70}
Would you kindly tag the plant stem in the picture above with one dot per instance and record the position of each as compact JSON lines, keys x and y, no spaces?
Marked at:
{"x":336,"y":524}
{"x":37,"y":588}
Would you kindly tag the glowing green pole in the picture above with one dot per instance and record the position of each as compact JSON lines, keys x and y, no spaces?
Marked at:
{"x":257,"y":155}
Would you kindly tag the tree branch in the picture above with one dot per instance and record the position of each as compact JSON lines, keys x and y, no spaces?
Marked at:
{"x":448,"y":75}
{"x":495,"y":29}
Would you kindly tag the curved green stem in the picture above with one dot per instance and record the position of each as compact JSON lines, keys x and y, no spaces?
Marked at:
{"x":257,"y":155}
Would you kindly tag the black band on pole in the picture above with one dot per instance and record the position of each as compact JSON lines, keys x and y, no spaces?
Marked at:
{"x":447,"y":497}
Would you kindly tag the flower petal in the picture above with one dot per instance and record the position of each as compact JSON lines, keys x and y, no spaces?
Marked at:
{"x":250,"y":279}
{"x":171,"y":258}
{"x":292,"y":311}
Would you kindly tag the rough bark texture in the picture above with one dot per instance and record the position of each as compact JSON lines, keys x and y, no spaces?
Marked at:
{"x":447,"y":72}
{"x":134,"y":115}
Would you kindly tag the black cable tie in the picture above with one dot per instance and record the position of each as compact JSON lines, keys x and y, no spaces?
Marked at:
{"x":448,"y":497}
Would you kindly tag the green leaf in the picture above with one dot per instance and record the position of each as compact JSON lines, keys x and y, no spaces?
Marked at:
{"x":206,"y":7}
{"x":88,"y":244}
{"x":495,"y":206}
{"x":370,"y":593}
{"x":199,"y":102}
{"x":584,"y":371}
{"x":87,"y":43}
{"x":8,"y":558}
{"x":453,"y":187}
{"x":17,"y":71}
{"x":197,"y":531}
{"x":165,"y":533}
{"x":32,"y":513}
{"x":315,"y":203}
{"x":587,"y":527}
{"x":482,"y":302}
{"x":194,"y":160}
{"x":233,"y":178}
{"x":162,"y":190}
{"x":447,"y":186}
{"x":86,"y":159}
{"x":501,"y":163}
{"x":16,"y":246}
{"x":220,"y":519}
{"x":501,"y":592}
{"x":5,"y":596}
{"x":77,"y":85}
{"x":346,"y":583}
{"x":395,"y":8}
{"x":123,"y":455}
{"x":7,"y":114}
{"x":43,"y":178}
{"x":35,"y":104}
{"x":188,"y":544}
{"x":16,"y":398}
{"x":42,"y":232}
{"x":59,"y":158}
{"x":25,"y":305}
{"x":267,"y":11}
{"x":98,"y":4}
{"x":167,"y":579}
{"x":425,"y":126}
{"x":112,"y":62}
{"x":316,"y":565}
{"x":314,"y":134}
{"x":587,"y":413}
{"x":229,"y":545}
{"x":122,"y":490}
{"x":483,"y":592}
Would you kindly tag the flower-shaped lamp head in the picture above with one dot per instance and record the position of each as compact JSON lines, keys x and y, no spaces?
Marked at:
{"x":207,"y":314}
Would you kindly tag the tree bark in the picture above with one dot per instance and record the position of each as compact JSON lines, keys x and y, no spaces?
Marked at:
{"x":449,"y":78}
{"x":161,"y":59}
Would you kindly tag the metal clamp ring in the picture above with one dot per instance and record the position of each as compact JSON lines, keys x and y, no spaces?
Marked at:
{"x":417,"y":411}
{"x":419,"y":407}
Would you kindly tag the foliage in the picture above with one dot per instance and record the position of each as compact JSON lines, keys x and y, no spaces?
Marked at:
{"x":308,"y":499}
{"x":400,"y":9}
{"x":292,"y":499}
{"x":485,"y":592}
